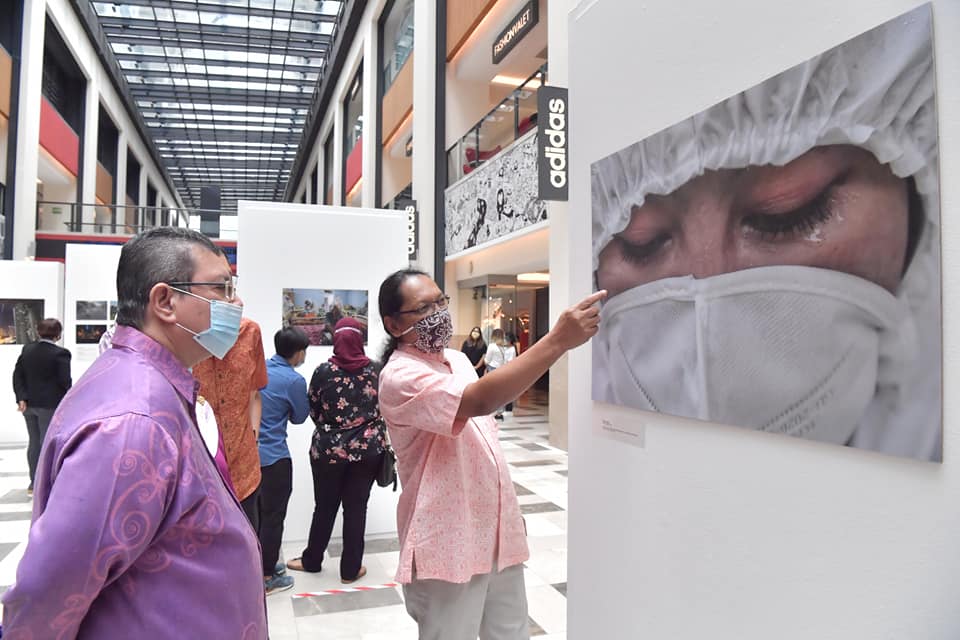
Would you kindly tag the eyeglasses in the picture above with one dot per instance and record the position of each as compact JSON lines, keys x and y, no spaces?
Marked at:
{"x":428,"y":308}
{"x":229,"y":287}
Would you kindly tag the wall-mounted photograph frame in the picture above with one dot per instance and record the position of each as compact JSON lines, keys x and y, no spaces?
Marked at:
{"x":773,"y":262}
{"x":317,"y":311}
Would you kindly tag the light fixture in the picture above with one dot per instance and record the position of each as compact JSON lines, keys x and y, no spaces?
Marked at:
{"x":536,"y":277}
{"x":353,"y":190}
{"x":510,"y":81}
{"x":407,"y":119}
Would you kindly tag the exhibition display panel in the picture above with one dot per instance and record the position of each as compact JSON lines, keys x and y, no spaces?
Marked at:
{"x":761,"y":197}
{"x":90,"y":300}
{"x":29,"y":292}
{"x":307,"y":266}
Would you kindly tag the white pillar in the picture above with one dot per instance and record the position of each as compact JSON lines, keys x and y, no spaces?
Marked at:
{"x":318,"y":184}
{"x":91,"y":122}
{"x":368,"y":196}
{"x":424,"y":129}
{"x":309,"y":190}
{"x":142,"y":194}
{"x":28,"y":130}
{"x":337,"y":164}
{"x":557,"y":74}
{"x":120,"y":187}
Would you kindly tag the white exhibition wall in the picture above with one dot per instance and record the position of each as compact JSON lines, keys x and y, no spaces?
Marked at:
{"x":701,"y":531}
{"x":317,"y":247}
{"x":91,"y":275}
{"x":29,"y":280}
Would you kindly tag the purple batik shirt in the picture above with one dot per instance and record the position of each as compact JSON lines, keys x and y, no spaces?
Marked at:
{"x":134,"y":534}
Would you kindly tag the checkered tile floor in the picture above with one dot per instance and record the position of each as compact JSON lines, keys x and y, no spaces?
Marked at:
{"x":376,"y":612}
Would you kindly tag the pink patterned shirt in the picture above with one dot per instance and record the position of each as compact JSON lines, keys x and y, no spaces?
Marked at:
{"x":458,"y":511}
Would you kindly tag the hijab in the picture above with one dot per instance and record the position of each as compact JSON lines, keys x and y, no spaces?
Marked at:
{"x":348,"y":346}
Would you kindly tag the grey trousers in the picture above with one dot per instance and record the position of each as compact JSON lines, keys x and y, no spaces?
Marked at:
{"x":491,"y":605}
{"x":38,"y":420}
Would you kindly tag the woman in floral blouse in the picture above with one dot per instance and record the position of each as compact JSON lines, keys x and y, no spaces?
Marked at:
{"x":347,"y":449}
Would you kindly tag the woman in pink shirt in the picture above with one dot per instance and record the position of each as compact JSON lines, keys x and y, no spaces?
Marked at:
{"x":462,"y":538}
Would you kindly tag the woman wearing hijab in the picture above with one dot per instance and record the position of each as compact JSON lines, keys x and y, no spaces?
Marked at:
{"x":347,"y":450}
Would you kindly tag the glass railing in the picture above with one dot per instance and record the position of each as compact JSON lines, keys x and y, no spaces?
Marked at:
{"x":515,"y":116}
{"x":398,"y":41}
{"x":114,"y":219}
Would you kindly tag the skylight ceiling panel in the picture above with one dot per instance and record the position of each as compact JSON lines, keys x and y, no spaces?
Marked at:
{"x":224,"y":85}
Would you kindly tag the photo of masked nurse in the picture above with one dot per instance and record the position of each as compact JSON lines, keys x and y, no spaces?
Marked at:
{"x":773,"y":262}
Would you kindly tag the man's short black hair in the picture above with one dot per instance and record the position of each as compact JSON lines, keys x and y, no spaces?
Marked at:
{"x":49,"y":328}
{"x":289,"y":340}
{"x":161,"y":254}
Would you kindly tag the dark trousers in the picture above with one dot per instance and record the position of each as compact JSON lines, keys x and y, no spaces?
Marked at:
{"x":347,"y":483}
{"x":251,"y":507}
{"x":276,"y":485}
{"x":37,"y":420}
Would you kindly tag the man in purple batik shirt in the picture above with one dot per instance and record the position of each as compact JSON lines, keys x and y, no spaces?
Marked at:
{"x":135,"y":534}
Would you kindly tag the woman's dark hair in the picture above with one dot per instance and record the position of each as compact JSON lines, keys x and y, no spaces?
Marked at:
{"x":479,"y":340}
{"x":289,"y":341}
{"x":390,"y":301}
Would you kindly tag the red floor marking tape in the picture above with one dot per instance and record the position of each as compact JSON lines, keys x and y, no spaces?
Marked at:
{"x":329,"y":592}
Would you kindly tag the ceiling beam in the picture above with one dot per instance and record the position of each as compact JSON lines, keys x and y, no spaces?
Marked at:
{"x":223,"y":8}
{"x":208,"y":33}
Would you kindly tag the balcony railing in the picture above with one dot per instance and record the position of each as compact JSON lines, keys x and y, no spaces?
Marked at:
{"x":119,"y":219}
{"x":505,"y":123}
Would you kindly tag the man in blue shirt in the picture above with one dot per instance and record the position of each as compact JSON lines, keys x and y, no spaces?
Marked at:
{"x":284,"y":400}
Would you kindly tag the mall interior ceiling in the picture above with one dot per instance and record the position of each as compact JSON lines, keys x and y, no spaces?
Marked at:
{"x":223,"y":87}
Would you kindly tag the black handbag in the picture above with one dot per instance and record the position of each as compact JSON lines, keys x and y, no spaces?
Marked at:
{"x":387,"y":474}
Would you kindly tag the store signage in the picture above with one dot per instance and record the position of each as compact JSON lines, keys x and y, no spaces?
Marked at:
{"x":522,"y":24}
{"x":413,"y":221}
{"x":552,"y":143}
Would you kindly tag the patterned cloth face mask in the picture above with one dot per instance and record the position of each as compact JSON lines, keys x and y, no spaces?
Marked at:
{"x":433,"y":332}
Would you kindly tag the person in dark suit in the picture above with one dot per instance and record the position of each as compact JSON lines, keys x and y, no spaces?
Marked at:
{"x":40,"y":380}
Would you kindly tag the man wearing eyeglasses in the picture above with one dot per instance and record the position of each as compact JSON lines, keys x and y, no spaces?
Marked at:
{"x":135,"y":532}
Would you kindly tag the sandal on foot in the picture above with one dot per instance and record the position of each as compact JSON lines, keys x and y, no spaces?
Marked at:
{"x":296,"y":564}
{"x":360,"y":574}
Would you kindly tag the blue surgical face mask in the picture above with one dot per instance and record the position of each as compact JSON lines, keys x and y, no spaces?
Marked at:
{"x":224,"y":326}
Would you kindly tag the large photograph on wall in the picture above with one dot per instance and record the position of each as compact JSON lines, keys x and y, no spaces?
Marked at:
{"x":90,"y":333}
{"x":92,"y":310}
{"x":317,"y":311}
{"x":18,"y":320}
{"x":773,"y":262}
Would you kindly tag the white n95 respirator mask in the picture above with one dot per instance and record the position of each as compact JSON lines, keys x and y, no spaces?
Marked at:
{"x":785,"y":349}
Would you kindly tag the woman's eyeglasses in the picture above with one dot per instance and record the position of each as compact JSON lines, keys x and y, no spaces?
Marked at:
{"x":428,"y":308}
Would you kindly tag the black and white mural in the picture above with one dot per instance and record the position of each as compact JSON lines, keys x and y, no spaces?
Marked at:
{"x":496,"y":199}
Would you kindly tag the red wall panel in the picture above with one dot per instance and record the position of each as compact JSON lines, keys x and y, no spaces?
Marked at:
{"x":58,"y":138}
{"x":354,"y":166}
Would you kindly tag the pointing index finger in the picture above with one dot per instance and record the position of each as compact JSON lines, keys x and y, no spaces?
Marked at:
{"x":592,"y":299}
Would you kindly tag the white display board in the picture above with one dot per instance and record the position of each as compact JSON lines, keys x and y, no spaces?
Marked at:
{"x":681,"y":529}
{"x":91,"y":277}
{"x":25,"y":280}
{"x":315,"y":247}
